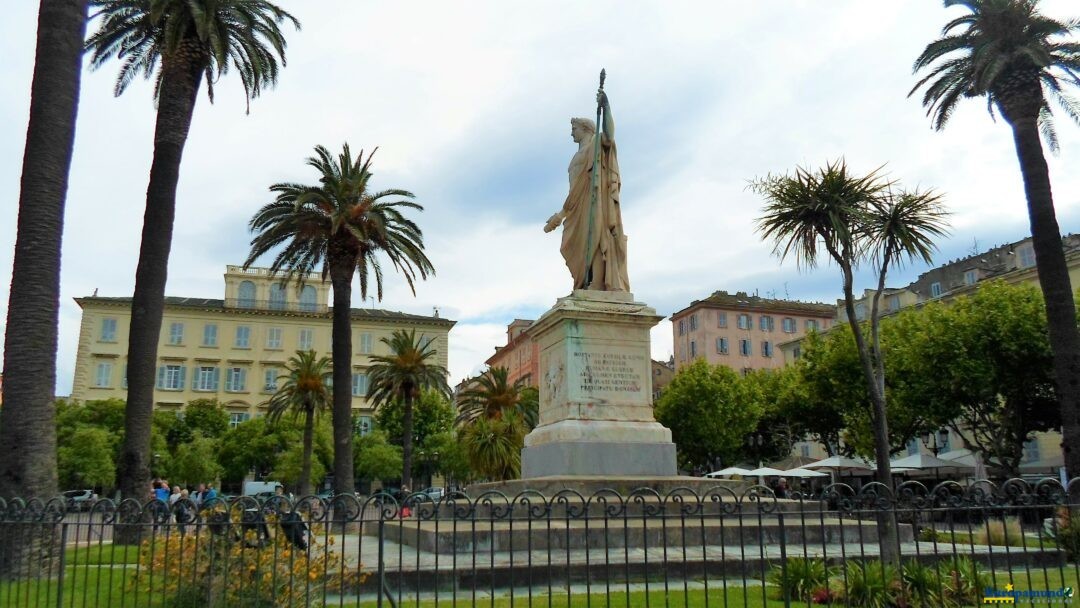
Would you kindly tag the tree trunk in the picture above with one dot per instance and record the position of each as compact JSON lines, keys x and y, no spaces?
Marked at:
{"x":344,"y":476}
{"x":28,"y":429}
{"x":303,"y":487}
{"x":181,"y":77}
{"x":1055,"y":284}
{"x":406,"y":441}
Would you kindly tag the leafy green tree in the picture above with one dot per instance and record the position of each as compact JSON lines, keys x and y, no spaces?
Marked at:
{"x":453,"y":460}
{"x":493,"y":445}
{"x":207,"y":417}
{"x":432,"y":415}
{"x":178,"y":43}
{"x":291,"y":466}
{"x":1020,"y":60}
{"x":254,"y":446}
{"x":402,"y":376}
{"x":780,"y":427}
{"x":85,"y":458}
{"x":709,"y":412}
{"x":305,"y":393}
{"x":376,"y":458}
{"x":196,"y":461}
{"x":490,"y":394}
{"x":343,"y":227}
{"x":27,"y":433}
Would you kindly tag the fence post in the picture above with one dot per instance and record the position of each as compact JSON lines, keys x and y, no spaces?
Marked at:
{"x":783,"y":557}
{"x":382,"y":564}
{"x":63,"y":565}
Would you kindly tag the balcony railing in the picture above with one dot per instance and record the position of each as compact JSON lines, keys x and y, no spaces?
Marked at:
{"x":276,"y":305}
{"x":265,"y":272}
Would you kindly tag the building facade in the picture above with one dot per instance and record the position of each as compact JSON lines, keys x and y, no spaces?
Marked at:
{"x":742,"y":331}
{"x":663,"y":372}
{"x":520,"y":356}
{"x":234,"y":349}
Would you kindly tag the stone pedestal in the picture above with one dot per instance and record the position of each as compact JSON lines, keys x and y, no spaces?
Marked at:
{"x":596,"y":415}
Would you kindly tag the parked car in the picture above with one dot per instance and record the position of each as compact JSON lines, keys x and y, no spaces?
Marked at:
{"x":79,"y":500}
{"x":435,"y":494}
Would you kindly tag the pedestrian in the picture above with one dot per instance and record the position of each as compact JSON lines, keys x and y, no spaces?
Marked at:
{"x":781,"y":488}
{"x":161,"y":490}
{"x":199,"y":496}
{"x":175,"y":496}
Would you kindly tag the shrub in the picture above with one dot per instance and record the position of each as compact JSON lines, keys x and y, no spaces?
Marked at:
{"x":1005,"y":531}
{"x":871,"y":585}
{"x":929,"y":535}
{"x":963,"y":580}
{"x":921,"y":585}
{"x":1067,"y":532}
{"x":803,"y":577}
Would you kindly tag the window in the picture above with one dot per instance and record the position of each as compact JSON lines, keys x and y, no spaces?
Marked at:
{"x":307,"y":299}
{"x":745,"y":321}
{"x":693,"y":349}
{"x":273,"y":337}
{"x":935,"y":290}
{"x":1026,"y":256}
{"x":210,"y":335}
{"x":721,"y":319}
{"x":789,"y":325}
{"x":103,"y":377}
{"x":1031,"y":450}
{"x":971,"y":277}
{"x":176,"y":333}
{"x":108,"y":330}
{"x":766,"y":323}
{"x":270,"y":375}
{"x":721,"y":346}
{"x":363,"y":425}
{"x":277,"y":297}
{"x":246,"y":296}
{"x":123,"y":380}
{"x":682,"y":327}
{"x":359,"y":385}
{"x":235,"y":379}
{"x":745,"y":348}
{"x":243,"y":336}
{"x":171,"y":377}
{"x":365,"y":344}
{"x":766,"y":348}
{"x":796,"y":351}
{"x":307,"y":336}
{"x":811,"y":325}
{"x":238,"y":418}
{"x":894,"y":303}
{"x":206,"y":378}
{"x":804,"y":451}
{"x":693,"y":322}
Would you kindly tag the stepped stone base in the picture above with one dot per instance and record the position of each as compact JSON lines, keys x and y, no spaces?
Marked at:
{"x":588,"y":486}
{"x":609,"y":458}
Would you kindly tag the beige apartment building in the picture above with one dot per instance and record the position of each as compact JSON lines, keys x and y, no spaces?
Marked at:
{"x":234,"y":349}
{"x":742,"y":331}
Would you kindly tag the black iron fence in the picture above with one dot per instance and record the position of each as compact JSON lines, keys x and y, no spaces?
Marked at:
{"x":912,"y":545}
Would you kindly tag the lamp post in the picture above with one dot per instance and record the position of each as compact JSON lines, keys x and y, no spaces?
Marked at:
{"x":755,"y":441}
{"x":935,"y":441}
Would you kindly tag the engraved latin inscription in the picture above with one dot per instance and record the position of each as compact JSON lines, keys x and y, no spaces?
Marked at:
{"x":609,"y":372}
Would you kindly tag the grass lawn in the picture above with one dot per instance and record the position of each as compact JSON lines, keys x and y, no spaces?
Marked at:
{"x":102,"y":554}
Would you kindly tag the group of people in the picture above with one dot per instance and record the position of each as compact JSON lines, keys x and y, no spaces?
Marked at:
{"x":160,"y":490}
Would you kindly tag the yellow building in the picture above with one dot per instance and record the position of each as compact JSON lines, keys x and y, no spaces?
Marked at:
{"x":234,"y":349}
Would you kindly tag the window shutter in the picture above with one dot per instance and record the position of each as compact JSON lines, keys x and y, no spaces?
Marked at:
{"x":161,"y":377}
{"x":243,"y":379}
{"x":183,"y":375}
{"x":214,"y":382}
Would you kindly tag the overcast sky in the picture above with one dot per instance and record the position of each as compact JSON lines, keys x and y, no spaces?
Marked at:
{"x":469,"y":104}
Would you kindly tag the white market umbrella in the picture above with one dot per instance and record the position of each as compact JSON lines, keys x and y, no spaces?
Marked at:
{"x":729,"y":471}
{"x":927,"y":462}
{"x":839,"y":463}
{"x":767,"y":472}
{"x":804,"y":473}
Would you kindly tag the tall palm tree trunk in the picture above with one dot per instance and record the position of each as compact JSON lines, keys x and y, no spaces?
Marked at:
{"x":304,"y":485}
{"x":1055,"y":284}
{"x":406,"y":440}
{"x":181,"y":77}
{"x":342,"y":361}
{"x":28,"y":431}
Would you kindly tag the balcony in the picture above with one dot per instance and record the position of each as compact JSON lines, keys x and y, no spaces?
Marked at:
{"x":265,"y":272}
{"x":275,"y":305}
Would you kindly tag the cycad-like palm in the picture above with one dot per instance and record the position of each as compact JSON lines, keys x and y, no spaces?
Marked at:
{"x":491,"y":394}
{"x":1020,"y":60}
{"x":404,"y":374}
{"x":341,"y":228}
{"x":493,"y":446}
{"x":178,"y":43}
{"x":857,"y":220}
{"x":305,"y":392}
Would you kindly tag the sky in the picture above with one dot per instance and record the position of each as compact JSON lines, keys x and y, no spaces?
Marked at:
{"x":469,"y":106}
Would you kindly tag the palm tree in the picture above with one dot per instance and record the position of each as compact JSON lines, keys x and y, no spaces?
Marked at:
{"x":188,"y":39}
{"x":856,"y":220}
{"x":403,"y":374}
{"x":493,"y":445}
{"x":490,"y":394}
{"x":306,"y":392}
{"x":1019,"y":60}
{"x":341,"y":226}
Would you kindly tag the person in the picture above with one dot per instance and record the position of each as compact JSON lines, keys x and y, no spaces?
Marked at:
{"x":183,"y":511}
{"x":200,"y":492}
{"x":593,"y":241}
{"x":161,"y":490}
{"x":781,"y":488}
{"x":210,"y":493}
{"x":175,"y":496}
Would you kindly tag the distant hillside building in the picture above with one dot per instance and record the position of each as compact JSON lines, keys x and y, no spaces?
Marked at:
{"x":662,"y":374}
{"x":520,"y":356}
{"x":742,"y":331}
{"x":234,"y":349}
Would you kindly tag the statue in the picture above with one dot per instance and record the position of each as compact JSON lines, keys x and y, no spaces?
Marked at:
{"x":593,"y":241}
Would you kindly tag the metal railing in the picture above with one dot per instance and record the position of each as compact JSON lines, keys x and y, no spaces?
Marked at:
{"x":276,"y":305}
{"x":731,"y":545}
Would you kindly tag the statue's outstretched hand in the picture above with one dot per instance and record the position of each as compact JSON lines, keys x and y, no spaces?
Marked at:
{"x":553,"y":222}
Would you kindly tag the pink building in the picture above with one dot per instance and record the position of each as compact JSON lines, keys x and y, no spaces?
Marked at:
{"x":743,"y":331}
{"x":520,"y":356}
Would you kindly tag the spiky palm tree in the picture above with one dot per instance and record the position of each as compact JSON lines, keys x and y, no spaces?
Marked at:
{"x":178,"y":43}
{"x":491,"y":394}
{"x":856,"y":220}
{"x":404,"y":374}
{"x":305,"y":392}
{"x":341,"y":228}
{"x":1020,"y":60}
{"x":493,"y":445}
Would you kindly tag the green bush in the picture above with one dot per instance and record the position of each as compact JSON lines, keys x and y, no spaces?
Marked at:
{"x":1005,"y":531}
{"x":921,"y":585}
{"x":872,"y":585}
{"x":963,"y":580}
{"x":1066,"y":532}
{"x":803,"y":578}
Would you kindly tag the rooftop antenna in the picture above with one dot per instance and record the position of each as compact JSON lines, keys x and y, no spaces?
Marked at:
{"x":787,"y":296}
{"x":435,"y":309}
{"x":95,"y":293}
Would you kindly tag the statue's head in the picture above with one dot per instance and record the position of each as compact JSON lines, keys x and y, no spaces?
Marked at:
{"x":582,"y":128}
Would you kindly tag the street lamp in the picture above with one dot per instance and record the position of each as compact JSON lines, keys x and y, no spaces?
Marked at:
{"x":936,"y":441}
